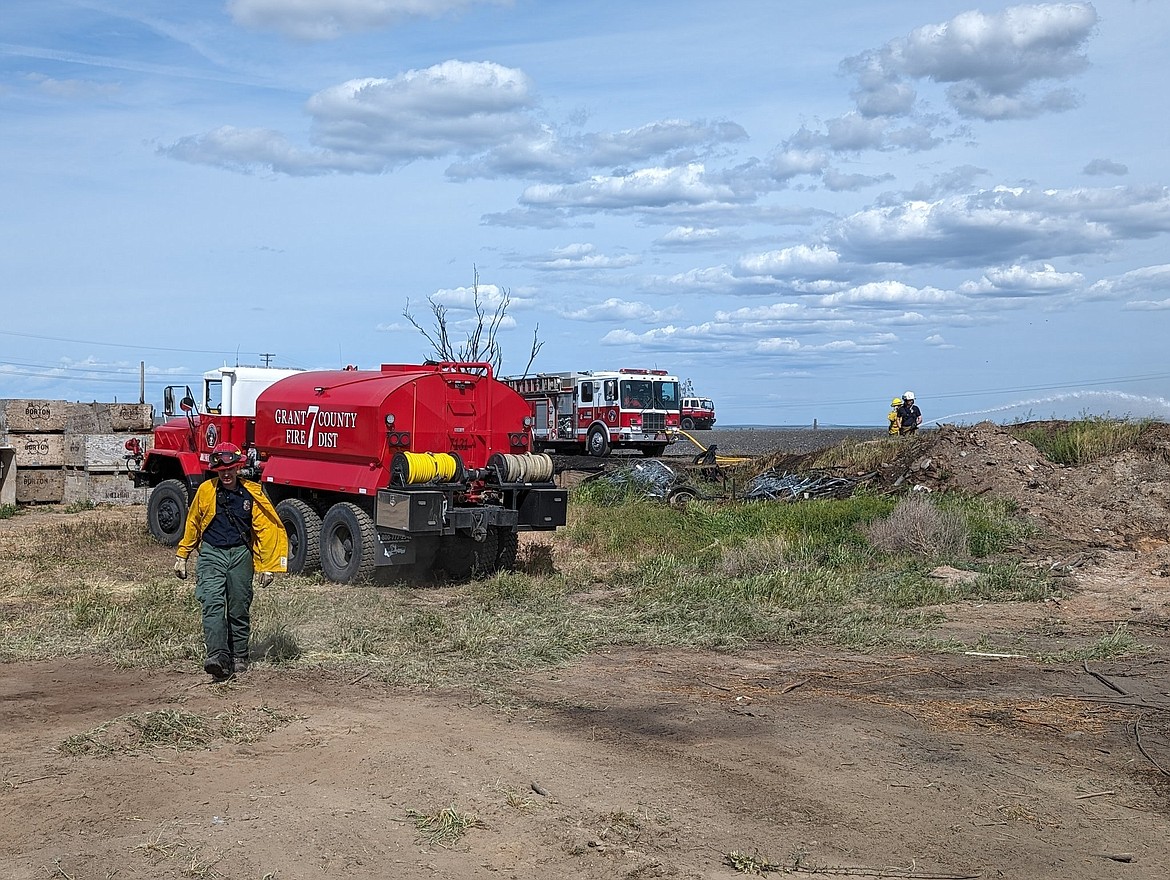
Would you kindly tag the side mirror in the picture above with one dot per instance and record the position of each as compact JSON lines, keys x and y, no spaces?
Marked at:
{"x":169,"y":401}
{"x":187,"y":404}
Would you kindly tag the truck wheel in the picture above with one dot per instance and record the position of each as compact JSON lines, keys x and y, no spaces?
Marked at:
{"x":598,"y":442}
{"x":304,"y":535}
{"x":509,"y":544}
{"x":461,"y":556}
{"x":166,"y":512}
{"x":688,"y":424}
{"x":349,"y":544}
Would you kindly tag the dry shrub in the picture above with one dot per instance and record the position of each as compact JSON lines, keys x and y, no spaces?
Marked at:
{"x":917,"y":525}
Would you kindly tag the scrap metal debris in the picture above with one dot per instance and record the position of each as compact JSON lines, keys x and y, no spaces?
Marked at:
{"x":774,"y":486}
{"x":650,"y":476}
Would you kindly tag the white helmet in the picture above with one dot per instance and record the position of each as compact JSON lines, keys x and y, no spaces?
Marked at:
{"x":909,"y":395}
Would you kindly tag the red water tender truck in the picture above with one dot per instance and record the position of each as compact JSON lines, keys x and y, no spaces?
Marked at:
{"x":375,"y":473}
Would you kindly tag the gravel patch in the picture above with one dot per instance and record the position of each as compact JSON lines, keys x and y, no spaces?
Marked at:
{"x":767,"y":441}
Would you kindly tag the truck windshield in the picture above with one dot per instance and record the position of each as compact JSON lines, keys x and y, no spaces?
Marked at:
{"x":649,"y":394}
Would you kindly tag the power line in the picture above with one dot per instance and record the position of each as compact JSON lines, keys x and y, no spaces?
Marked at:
{"x":135,"y":346}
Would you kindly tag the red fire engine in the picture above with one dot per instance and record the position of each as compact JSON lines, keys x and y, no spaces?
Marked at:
{"x":390,"y":472}
{"x":595,"y":411}
{"x":697,"y":413}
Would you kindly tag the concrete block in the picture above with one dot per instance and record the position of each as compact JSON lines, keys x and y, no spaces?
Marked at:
{"x":38,"y":450}
{"x":101,"y":452}
{"x":28,"y":416}
{"x":40,"y":485}
{"x":84,"y":487}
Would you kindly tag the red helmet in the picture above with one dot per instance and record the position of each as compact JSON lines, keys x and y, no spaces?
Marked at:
{"x":226,"y":457}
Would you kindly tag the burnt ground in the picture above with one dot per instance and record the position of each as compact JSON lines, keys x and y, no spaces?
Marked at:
{"x":639,"y":764}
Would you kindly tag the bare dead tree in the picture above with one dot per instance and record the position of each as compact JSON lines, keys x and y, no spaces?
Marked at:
{"x":481,"y":344}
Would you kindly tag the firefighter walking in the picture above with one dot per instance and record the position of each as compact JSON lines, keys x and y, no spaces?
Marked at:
{"x":239,"y":534}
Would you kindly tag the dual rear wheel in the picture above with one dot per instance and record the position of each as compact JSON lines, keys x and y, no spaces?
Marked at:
{"x":344,"y":545}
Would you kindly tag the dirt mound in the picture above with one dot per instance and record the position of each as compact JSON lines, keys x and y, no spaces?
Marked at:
{"x":1119,"y":501}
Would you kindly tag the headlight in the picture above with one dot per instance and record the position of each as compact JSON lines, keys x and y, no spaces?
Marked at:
{"x":389,"y":420}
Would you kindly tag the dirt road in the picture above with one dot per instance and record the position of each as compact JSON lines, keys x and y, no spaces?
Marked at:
{"x":629,"y":764}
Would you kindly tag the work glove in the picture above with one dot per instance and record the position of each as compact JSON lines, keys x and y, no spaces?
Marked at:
{"x":266,"y":578}
{"x":181,"y":568}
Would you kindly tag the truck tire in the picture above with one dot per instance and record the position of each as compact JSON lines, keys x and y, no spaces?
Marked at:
{"x":303,"y":525}
{"x":688,"y":424}
{"x":349,"y":544}
{"x":461,"y":556}
{"x":166,"y":512}
{"x":508,"y":545}
{"x":597,"y":443}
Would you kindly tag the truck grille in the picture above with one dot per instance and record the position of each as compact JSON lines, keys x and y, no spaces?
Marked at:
{"x":653,"y":423}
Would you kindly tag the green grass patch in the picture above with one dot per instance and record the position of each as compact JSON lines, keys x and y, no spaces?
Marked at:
{"x":624,"y":572}
{"x":1084,"y":440}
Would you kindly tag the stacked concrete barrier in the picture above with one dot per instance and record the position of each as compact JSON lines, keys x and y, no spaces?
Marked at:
{"x":54,"y":451}
{"x":96,"y":459}
{"x":35,"y":431}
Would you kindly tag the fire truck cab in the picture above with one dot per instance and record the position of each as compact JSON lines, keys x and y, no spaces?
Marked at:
{"x":697,"y":413}
{"x":596,"y":411}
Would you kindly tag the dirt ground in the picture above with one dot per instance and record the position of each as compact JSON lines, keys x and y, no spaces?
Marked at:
{"x":643,"y":764}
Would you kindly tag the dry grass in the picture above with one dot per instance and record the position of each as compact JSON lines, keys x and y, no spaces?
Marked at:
{"x":918,"y":526}
{"x":174,"y":729}
{"x":445,"y":827}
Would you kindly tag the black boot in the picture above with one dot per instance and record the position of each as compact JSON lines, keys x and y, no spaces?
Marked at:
{"x":240,"y":663}
{"x":218,"y":666}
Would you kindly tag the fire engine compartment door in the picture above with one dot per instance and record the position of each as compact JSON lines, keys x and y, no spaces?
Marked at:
{"x":412,"y":513}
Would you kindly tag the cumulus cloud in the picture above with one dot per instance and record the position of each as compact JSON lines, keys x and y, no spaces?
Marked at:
{"x":483,"y":116}
{"x":553,"y":155}
{"x":1014,"y":281}
{"x":995,"y":63}
{"x":614,"y":309}
{"x":790,"y":261}
{"x":1149,"y":281}
{"x":329,"y":19}
{"x":582,"y":256}
{"x":374,"y":124}
{"x":690,"y":235}
{"x":657,"y":186}
{"x":889,"y":294}
{"x":1002,"y":225}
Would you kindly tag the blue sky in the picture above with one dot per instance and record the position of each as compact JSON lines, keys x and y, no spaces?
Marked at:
{"x":804,"y":208}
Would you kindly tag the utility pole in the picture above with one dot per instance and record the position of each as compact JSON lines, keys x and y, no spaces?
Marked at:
{"x":268,"y":359}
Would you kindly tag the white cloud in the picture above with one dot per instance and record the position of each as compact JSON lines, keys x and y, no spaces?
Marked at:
{"x":885,"y":294}
{"x":1003,"y":224}
{"x":1148,"y":280}
{"x":583,"y":256}
{"x":790,"y":261}
{"x":690,"y":235}
{"x":329,"y":19}
{"x":1022,"y":281}
{"x":646,"y":186}
{"x":614,"y":309}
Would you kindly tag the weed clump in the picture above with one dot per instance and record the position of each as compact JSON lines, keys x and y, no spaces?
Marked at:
{"x":917,"y":525}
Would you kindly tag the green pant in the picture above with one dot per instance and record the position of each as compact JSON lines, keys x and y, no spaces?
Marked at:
{"x":223,"y":586}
